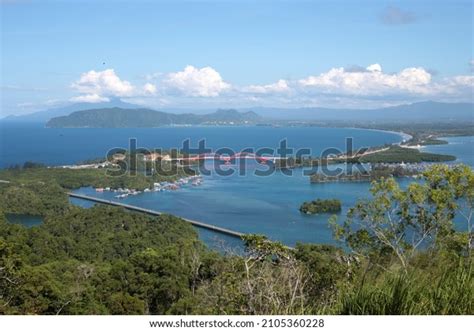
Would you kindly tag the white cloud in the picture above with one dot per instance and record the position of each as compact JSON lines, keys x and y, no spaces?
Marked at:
{"x":195,"y":82}
{"x":280,"y":86}
{"x":374,"y":67}
{"x":462,"y":80}
{"x":455,"y":87}
{"x":99,"y":86}
{"x":104,"y":83}
{"x":89,"y":98}
{"x":373,"y":81}
{"x":350,"y":87}
{"x":149,"y":89}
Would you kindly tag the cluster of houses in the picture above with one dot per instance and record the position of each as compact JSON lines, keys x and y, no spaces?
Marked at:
{"x":156,"y":156}
{"x":98,"y":165}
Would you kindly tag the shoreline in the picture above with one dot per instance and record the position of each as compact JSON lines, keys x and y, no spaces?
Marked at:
{"x":403,"y":135}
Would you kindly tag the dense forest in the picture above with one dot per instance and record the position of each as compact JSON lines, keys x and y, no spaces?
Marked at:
{"x":377,"y":172}
{"x":403,"y":251}
{"x":95,"y":177}
{"x":397,"y":154}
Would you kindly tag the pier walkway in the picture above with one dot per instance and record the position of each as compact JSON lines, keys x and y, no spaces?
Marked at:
{"x":157,"y":213}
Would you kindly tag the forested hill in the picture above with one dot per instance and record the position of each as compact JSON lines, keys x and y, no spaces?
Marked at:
{"x":106,"y":260}
{"x":120,"y":118}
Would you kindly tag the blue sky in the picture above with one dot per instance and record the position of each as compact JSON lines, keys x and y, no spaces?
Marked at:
{"x":176,"y":54}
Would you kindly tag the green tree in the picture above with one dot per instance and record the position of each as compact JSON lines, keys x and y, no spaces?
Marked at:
{"x":398,"y":222}
{"x":9,"y":278}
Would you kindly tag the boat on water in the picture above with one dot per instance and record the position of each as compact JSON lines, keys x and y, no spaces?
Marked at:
{"x":172,"y":187}
{"x":157,"y":187}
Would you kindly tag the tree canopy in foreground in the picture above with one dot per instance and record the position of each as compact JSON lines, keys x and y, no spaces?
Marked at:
{"x":404,"y":251}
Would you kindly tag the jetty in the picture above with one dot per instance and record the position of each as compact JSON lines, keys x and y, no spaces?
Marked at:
{"x":157,"y":213}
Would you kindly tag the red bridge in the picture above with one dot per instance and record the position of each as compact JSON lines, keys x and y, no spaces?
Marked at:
{"x":228,"y":158}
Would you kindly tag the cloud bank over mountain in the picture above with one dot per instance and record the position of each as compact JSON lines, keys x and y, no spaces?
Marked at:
{"x":354,"y":86}
{"x":99,"y":86}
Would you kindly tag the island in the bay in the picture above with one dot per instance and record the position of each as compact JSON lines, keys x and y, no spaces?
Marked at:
{"x":59,"y":258}
{"x":321,"y":206}
{"x":107,"y":260}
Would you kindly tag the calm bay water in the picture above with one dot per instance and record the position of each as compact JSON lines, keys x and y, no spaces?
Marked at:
{"x":267,"y":205}
{"x":33,"y":142}
{"x":250,"y":204}
{"x":461,"y":147}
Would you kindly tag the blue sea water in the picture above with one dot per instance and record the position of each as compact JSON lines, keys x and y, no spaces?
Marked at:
{"x":267,"y":205}
{"x":20,"y":142}
{"x":461,"y":147}
{"x":250,"y":204}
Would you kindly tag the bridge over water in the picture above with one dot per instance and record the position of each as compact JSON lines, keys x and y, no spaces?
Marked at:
{"x":229,"y":158}
{"x":157,"y":213}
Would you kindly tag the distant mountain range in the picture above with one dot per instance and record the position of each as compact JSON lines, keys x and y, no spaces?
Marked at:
{"x":44,"y":116}
{"x":427,"y":111}
{"x":424,"y":112}
{"x":141,"y":118}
